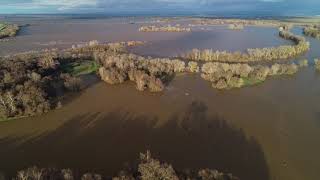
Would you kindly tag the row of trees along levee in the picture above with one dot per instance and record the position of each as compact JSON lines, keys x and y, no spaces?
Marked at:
{"x":253,"y":55}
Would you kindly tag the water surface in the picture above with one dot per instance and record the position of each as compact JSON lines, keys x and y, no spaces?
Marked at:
{"x":270,"y":131}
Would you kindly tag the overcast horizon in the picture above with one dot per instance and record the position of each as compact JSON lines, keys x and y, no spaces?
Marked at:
{"x":162,"y":7}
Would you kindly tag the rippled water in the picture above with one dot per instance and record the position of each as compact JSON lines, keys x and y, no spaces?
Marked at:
{"x":270,"y":131}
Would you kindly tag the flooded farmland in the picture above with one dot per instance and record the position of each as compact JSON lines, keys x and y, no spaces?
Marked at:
{"x":269,"y":131}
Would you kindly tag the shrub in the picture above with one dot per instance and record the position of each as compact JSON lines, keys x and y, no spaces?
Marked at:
{"x":71,"y":83}
{"x":193,"y":67}
{"x":303,"y":63}
{"x":112,"y":75}
{"x":152,"y":169}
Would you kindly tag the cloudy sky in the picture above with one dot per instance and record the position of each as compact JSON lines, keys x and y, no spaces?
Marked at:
{"x":272,"y":7}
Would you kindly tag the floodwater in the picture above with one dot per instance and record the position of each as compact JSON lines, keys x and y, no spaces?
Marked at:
{"x":270,"y":131}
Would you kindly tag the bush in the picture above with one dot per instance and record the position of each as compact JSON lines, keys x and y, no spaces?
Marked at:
{"x":303,"y":63}
{"x":71,"y":83}
{"x":193,"y":67}
{"x":152,"y":169}
{"x":112,"y":75}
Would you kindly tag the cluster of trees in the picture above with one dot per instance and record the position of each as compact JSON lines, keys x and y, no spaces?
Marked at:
{"x":31,"y":83}
{"x":257,"y":54}
{"x":8,"y":30}
{"x":228,"y":76}
{"x":313,"y":31}
{"x":148,"y":73}
{"x":235,"y":26}
{"x":24,"y":86}
{"x":148,"y":168}
{"x":168,"y":28}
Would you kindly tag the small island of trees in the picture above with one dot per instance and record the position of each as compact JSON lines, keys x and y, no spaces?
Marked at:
{"x":313,"y":31}
{"x":235,"y":26}
{"x":8,"y":30}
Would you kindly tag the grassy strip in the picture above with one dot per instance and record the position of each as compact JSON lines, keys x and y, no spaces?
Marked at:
{"x":80,"y":68}
{"x":251,"y":82}
{"x":12,"y":118}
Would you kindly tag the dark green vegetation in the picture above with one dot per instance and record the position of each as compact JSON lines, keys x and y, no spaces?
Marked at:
{"x":147,"y":168}
{"x":313,"y":31}
{"x":80,"y":68}
{"x":8,"y":30}
{"x":254,"y":55}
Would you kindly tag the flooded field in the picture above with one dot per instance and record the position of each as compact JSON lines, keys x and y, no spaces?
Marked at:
{"x":270,"y":131}
{"x":63,"y":33}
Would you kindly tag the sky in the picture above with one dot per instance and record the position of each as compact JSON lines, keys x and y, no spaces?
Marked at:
{"x":266,"y":7}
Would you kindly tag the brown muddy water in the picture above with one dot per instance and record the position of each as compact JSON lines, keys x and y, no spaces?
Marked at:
{"x":269,"y":131}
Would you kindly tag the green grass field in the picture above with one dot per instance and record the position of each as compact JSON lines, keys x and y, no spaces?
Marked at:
{"x":80,"y":68}
{"x":250,"y":82}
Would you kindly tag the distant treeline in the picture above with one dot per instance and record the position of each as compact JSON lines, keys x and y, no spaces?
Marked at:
{"x":164,"y":29}
{"x":147,"y":168}
{"x":256,"y":54}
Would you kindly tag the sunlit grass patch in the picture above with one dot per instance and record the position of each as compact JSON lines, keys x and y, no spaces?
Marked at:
{"x":80,"y":68}
{"x":251,"y":81}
